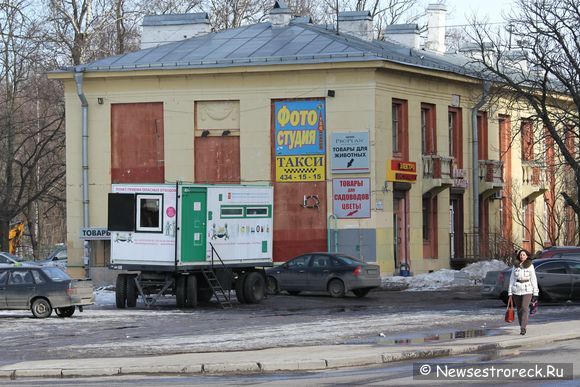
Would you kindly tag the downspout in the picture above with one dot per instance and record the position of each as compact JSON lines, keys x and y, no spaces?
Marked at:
{"x":475,"y":169}
{"x":85,"y":163}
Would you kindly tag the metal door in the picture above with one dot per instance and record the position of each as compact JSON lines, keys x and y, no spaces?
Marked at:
{"x":320,"y":269}
{"x":3,"y":280}
{"x":193,"y":224}
{"x":554,"y":279}
{"x":19,"y":289}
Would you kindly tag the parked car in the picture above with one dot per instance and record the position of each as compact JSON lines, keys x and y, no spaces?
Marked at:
{"x":42,"y":289}
{"x":57,"y":257}
{"x":558,"y":280}
{"x":7,"y":259}
{"x":336,"y":274}
{"x":558,"y":251}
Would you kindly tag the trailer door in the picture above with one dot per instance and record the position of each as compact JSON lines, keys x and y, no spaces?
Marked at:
{"x":193,"y":224}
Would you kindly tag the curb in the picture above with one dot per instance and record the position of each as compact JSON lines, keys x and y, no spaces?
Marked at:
{"x":295,"y":365}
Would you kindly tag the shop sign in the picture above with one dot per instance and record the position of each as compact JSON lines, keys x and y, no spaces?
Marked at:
{"x":350,"y":152}
{"x":401,"y":171}
{"x":351,"y":198}
{"x":291,"y":169}
{"x":300,"y":128}
{"x":95,"y":233}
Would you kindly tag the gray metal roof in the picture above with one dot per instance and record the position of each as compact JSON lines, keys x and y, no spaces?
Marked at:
{"x":175,"y":19}
{"x":262,"y":45}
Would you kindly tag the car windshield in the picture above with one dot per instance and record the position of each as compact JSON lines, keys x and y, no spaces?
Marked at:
{"x":56,"y":274}
{"x":348,"y":260}
{"x":13,"y":257}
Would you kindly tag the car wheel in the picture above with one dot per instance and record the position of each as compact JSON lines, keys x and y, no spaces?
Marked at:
{"x":293,"y":292}
{"x":240,"y":288}
{"x":336,"y":288}
{"x":272,"y":285}
{"x":191,"y":291}
{"x":121,"y":291}
{"x":41,"y":308}
{"x":132,"y":292}
{"x":180,"y":283}
{"x":361,"y":292}
{"x":65,"y":312}
{"x":254,"y":288}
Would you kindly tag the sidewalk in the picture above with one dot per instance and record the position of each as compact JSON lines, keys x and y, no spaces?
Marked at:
{"x":291,"y":358}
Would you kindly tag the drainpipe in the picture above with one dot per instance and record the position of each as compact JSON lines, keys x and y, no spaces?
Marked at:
{"x":335,"y":233}
{"x":85,"y":163}
{"x":475,"y":171}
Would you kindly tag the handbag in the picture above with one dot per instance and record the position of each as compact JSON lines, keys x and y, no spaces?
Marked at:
{"x":509,"y":312}
{"x":533,"y":307}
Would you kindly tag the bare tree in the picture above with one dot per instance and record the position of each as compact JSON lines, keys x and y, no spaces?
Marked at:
{"x":537,"y":61}
{"x":31,"y":133}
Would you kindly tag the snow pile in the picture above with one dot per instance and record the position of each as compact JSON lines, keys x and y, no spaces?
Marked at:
{"x":445,"y":278}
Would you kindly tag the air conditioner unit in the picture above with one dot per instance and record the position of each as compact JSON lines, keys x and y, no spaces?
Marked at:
{"x":497,"y":195}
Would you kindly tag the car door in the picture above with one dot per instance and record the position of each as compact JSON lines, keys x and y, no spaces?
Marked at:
{"x":19,"y":289}
{"x":3,"y":280}
{"x":574,"y":268}
{"x":319,"y":270}
{"x":295,"y":276}
{"x":554,"y":279}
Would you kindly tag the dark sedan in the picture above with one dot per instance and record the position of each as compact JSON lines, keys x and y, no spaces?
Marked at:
{"x":558,"y":280}
{"x":336,"y":274}
{"x":42,"y":289}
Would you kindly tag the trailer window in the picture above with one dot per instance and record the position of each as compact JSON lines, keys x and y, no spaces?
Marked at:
{"x":149,"y":213}
{"x":232,"y":212}
{"x":257,"y":212}
{"x":121,"y":212}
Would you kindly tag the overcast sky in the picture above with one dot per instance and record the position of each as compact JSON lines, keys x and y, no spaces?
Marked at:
{"x":459,"y":11}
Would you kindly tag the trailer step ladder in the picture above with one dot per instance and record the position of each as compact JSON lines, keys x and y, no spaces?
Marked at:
{"x":219,"y":292}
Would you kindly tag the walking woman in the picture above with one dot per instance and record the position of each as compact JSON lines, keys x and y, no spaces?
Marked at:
{"x":523,"y":287}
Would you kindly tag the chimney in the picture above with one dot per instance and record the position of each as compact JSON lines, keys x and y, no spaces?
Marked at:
{"x":162,"y":29}
{"x":280,"y":15}
{"x":356,"y":23}
{"x":405,"y":34}
{"x":436,"y":28}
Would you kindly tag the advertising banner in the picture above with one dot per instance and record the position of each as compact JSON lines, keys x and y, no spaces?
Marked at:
{"x":350,"y":152}
{"x":300,"y":140}
{"x":351,"y":198}
{"x":401,"y":171}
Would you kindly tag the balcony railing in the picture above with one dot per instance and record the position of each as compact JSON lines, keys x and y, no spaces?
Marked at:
{"x":533,"y":173}
{"x":437,"y":167}
{"x":491,"y":171}
{"x":479,"y":247}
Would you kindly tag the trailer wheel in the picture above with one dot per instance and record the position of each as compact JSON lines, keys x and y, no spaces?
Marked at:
{"x":240,"y":288}
{"x":180,"y":283}
{"x":131,"y":291}
{"x":191,"y":291}
{"x":254,"y":288}
{"x":121,"y":291}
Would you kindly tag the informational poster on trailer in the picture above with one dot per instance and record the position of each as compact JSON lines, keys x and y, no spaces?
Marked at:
{"x":300,"y":140}
{"x":240,"y":222}
{"x":350,"y":152}
{"x":152,"y":238}
{"x":351,"y":198}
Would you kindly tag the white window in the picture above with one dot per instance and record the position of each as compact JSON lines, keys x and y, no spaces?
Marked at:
{"x":149,"y":213}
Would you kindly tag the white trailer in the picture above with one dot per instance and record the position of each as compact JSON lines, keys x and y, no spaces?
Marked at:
{"x":190,"y":240}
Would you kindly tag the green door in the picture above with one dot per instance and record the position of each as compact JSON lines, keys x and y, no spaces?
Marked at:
{"x":193,"y":224}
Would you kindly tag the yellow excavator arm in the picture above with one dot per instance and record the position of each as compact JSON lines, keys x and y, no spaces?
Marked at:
{"x":14,"y":237}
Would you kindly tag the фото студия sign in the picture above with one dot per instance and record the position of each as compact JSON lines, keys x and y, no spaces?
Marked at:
{"x":401,"y":171}
{"x":300,"y":140}
{"x":350,"y":152}
{"x":351,"y":198}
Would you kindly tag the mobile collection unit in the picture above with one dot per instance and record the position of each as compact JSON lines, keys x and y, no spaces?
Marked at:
{"x":192,"y":241}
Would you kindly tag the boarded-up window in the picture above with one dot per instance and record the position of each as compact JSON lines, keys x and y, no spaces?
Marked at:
{"x":217,"y":142}
{"x":137,"y":154}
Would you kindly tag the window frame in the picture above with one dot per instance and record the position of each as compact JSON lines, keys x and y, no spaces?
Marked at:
{"x":138,"y":226}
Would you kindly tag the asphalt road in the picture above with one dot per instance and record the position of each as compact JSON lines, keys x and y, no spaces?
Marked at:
{"x":389,"y":317}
